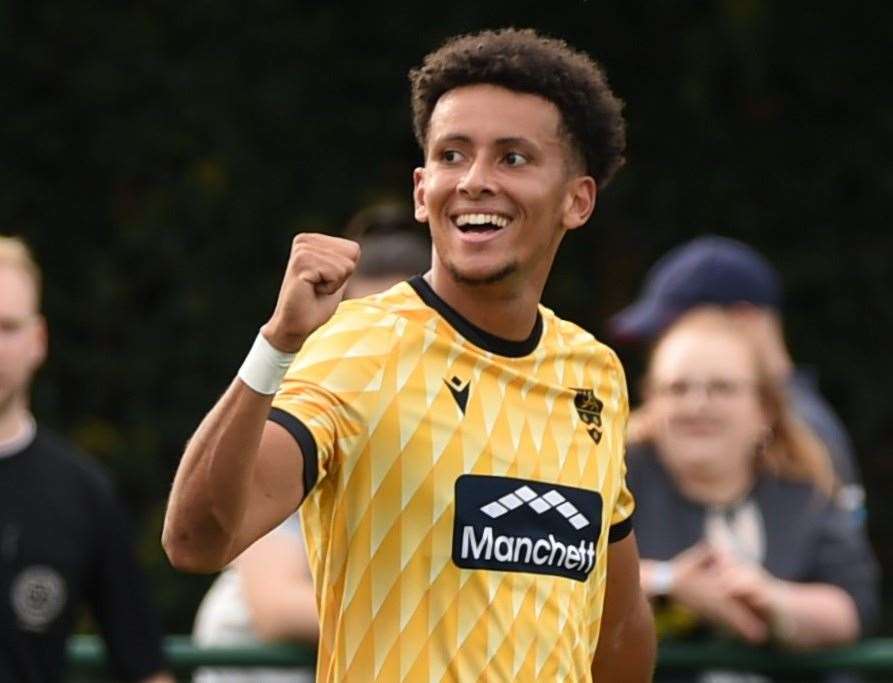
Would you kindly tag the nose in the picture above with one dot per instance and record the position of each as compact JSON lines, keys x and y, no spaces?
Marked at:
{"x":696,"y":398}
{"x":477,"y":179}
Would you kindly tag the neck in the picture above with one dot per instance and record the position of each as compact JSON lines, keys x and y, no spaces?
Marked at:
{"x":506,"y":309}
{"x":13,"y":420}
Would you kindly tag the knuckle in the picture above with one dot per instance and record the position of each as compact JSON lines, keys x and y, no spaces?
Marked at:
{"x":299,"y":254}
{"x":306,"y":238}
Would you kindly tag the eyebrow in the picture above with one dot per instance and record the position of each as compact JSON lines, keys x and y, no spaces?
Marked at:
{"x":503,"y":142}
{"x":515,"y":141}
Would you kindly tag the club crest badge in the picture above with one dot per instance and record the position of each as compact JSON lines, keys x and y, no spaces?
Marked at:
{"x":38,"y":597}
{"x":589,"y":408}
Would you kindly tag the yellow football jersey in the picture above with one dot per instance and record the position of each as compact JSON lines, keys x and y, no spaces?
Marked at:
{"x":461,"y":490}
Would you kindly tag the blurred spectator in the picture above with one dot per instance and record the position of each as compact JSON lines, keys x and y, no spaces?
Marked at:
{"x":394,"y":248}
{"x":267,"y":595}
{"x":63,"y":537}
{"x":723,"y":272}
{"x":736,"y":530}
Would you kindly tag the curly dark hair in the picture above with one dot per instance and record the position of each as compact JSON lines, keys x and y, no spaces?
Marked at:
{"x":524,"y":61}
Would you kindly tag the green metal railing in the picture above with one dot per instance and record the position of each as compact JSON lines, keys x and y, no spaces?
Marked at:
{"x":87,"y":657}
{"x":869,"y":656}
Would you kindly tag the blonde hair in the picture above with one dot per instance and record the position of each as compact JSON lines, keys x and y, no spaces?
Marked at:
{"x":791,"y":449}
{"x":14,"y":252}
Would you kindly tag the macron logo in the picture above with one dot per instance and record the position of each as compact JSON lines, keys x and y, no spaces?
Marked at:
{"x":459,"y":390}
{"x":552,"y":499}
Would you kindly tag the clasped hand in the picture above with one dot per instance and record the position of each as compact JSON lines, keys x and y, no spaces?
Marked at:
{"x":741,"y":597}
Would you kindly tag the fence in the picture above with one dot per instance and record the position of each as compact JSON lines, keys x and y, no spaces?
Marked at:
{"x":87,"y":659}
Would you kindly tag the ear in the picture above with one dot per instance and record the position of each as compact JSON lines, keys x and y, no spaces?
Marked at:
{"x":579,"y":202}
{"x":418,"y":195}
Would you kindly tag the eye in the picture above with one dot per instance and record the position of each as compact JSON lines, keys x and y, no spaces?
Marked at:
{"x":680,"y":387}
{"x":515,"y":159}
{"x":11,"y":326}
{"x":451,"y":156}
{"x":676,"y":389}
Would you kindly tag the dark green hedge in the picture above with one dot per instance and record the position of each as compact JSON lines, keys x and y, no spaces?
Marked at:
{"x":159,"y":156}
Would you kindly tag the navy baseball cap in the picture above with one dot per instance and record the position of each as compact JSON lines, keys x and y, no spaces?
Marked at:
{"x":708,"y":270}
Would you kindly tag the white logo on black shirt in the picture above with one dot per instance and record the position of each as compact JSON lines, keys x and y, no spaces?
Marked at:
{"x":38,"y":597}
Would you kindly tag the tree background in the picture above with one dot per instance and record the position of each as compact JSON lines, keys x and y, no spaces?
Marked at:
{"x":160,"y":155}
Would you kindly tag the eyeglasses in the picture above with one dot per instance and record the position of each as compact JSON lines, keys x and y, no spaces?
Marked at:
{"x":714,"y":389}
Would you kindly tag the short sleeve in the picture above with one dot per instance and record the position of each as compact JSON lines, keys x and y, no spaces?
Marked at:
{"x":622,"y":518}
{"x":624,"y":505}
{"x":331,"y":393}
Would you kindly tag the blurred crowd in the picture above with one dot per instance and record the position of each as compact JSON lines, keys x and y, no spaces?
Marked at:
{"x":750,"y":511}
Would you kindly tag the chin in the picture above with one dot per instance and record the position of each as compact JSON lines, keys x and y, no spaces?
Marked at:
{"x":482,"y":276}
{"x":693,"y":453}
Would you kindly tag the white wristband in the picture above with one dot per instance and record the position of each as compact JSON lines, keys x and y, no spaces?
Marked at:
{"x":265,"y":366}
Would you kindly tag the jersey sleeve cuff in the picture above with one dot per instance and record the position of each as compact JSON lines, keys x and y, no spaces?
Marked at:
{"x":620,"y":530}
{"x":304,"y":438}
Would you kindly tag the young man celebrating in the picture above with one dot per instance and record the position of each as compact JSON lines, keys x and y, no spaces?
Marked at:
{"x":456,"y":448}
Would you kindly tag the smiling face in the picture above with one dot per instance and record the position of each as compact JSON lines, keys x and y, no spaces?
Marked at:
{"x":705,"y":403}
{"x":22,"y":337}
{"x":499,"y":187}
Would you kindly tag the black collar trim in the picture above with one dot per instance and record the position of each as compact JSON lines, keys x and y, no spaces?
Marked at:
{"x":473,"y":333}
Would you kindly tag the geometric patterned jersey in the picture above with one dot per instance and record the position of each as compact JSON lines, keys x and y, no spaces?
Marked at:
{"x":461,"y":490}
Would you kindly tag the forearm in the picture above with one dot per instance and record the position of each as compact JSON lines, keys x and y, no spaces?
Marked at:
{"x":813,"y":615}
{"x":289,"y":615}
{"x":278,"y":591}
{"x":627,"y":654}
{"x":206,"y":524}
{"x":211,"y":487}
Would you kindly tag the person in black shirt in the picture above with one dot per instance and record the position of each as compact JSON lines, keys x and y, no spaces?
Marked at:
{"x":63,"y":537}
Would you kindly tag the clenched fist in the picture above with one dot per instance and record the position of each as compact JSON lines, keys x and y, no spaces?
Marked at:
{"x":318,"y":269}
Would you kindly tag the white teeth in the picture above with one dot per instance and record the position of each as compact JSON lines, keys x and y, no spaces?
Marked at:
{"x":481,"y":219}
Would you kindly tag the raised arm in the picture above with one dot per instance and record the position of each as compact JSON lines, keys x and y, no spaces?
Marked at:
{"x":240,"y":475}
{"x":626,"y":645}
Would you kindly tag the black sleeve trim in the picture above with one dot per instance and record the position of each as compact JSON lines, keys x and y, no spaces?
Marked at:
{"x":305,"y":440}
{"x":620,"y":530}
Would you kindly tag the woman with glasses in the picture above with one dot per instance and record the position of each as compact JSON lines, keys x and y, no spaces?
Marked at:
{"x":736,"y":528}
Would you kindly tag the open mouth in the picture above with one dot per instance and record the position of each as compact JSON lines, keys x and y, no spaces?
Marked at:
{"x":480,"y":222}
